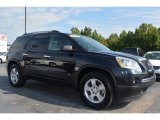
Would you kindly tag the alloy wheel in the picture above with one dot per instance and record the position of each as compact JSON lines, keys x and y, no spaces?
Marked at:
{"x":94,"y":90}
{"x":14,"y":76}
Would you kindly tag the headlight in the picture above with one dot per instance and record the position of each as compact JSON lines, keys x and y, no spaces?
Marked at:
{"x":129,"y":64}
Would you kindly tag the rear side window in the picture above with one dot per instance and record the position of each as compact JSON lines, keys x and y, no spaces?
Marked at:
{"x":39,"y":43}
{"x":20,"y":42}
{"x":57,"y":42}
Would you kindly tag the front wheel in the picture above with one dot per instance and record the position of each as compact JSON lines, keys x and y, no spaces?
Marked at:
{"x":96,"y":90}
{"x":15,"y":76}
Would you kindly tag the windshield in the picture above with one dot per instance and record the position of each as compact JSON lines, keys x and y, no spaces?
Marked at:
{"x":89,"y":44}
{"x":2,"y":53}
{"x":153,"y":56}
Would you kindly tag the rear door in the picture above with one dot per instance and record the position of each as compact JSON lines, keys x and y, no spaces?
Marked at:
{"x":34,"y":56}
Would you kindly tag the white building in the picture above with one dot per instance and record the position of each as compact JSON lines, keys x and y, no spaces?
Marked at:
{"x":3,"y":43}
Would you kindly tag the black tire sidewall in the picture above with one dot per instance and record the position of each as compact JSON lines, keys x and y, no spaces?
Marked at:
{"x":21,"y":80}
{"x":109,"y":92}
{"x":0,"y":61}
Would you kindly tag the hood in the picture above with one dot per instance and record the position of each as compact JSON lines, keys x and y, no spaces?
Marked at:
{"x":121,"y":54}
{"x":155,"y":62}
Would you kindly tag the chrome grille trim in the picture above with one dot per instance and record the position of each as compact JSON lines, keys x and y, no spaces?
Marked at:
{"x":149,"y":79}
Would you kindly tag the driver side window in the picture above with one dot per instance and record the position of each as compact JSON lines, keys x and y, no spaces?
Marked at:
{"x":57,"y":42}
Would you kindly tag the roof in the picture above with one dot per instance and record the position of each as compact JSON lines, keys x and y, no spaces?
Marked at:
{"x":41,"y":32}
{"x":53,"y":31}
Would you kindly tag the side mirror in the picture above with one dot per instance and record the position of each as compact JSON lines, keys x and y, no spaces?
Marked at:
{"x":68,"y":48}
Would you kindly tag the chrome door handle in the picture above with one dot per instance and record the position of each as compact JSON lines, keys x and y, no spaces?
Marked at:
{"x":46,"y":56}
{"x":24,"y":54}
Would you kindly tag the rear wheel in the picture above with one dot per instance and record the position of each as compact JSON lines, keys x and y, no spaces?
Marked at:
{"x":96,"y":90}
{"x":15,"y":76}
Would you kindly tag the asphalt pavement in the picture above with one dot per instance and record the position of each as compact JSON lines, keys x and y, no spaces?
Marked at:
{"x":39,"y":97}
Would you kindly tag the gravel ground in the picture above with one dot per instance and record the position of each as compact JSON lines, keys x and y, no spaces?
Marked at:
{"x":38,"y":97}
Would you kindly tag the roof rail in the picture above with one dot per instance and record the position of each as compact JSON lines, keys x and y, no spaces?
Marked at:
{"x":55,"y":31}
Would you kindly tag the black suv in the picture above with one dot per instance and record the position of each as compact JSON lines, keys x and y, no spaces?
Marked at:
{"x":99,"y":74}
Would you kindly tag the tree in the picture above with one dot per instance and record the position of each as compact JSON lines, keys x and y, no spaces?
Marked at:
{"x":122,"y":40}
{"x":95,"y":35}
{"x":158,"y":41}
{"x":113,"y":41}
{"x":146,"y":37}
{"x":130,"y":39}
{"x":75,"y":30}
{"x":87,"y":31}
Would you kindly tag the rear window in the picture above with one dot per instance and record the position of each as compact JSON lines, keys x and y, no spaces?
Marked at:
{"x":20,"y":42}
{"x":2,"y":53}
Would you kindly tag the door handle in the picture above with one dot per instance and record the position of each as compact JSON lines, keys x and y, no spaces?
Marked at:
{"x":24,"y":54}
{"x":46,"y":56}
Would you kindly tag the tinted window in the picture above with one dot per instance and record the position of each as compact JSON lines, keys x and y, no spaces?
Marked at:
{"x":153,"y":56}
{"x":39,"y":43}
{"x":2,"y":53}
{"x":57,"y":42}
{"x":20,"y":42}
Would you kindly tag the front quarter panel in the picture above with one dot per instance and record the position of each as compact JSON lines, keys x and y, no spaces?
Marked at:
{"x":104,"y":62}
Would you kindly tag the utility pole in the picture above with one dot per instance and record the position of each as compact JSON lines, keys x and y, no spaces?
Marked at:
{"x":25,"y":20}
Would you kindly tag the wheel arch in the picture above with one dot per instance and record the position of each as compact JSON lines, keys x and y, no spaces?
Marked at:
{"x":88,"y":69}
{"x":13,"y":62}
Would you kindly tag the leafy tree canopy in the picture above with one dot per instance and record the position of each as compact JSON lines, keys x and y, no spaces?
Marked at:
{"x":146,"y":36}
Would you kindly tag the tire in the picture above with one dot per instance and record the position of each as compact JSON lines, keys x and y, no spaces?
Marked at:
{"x":97,"y":98}
{"x":0,"y":61}
{"x":16,"y":78}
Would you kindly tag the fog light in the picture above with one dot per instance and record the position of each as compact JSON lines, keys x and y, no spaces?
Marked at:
{"x":136,"y":81}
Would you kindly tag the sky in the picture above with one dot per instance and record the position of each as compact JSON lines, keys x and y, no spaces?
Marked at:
{"x":106,"y":20}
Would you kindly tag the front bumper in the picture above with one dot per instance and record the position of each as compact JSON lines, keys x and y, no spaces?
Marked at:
{"x":127,"y":93}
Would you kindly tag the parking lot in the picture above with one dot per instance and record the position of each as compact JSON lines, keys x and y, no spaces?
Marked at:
{"x":38,"y":97}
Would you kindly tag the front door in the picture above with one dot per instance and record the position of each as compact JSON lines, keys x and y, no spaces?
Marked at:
{"x":61,"y":63}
